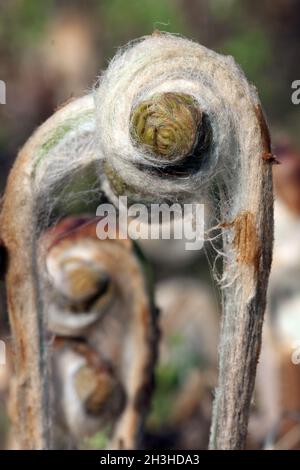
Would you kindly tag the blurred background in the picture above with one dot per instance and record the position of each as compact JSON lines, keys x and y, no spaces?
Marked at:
{"x":52,"y":51}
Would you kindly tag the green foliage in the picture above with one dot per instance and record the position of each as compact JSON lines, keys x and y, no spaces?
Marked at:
{"x":145,"y":15}
{"x":252,"y":50}
{"x":225,"y":9}
{"x":23,"y":21}
{"x":170,"y":376}
{"x":96,"y":442}
{"x":125,"y":20}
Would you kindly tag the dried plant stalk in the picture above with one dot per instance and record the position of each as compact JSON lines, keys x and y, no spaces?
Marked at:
{"x":19,"y":230}
{"x":30,"y":416}
{"x":244,"y":305}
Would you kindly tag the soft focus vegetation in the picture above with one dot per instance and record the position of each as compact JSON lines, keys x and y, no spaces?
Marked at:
{"x":262,"y":35}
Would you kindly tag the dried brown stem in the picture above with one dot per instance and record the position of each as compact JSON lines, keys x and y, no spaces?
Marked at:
{"x":250,"y":235}
{"x":17,"y":234}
